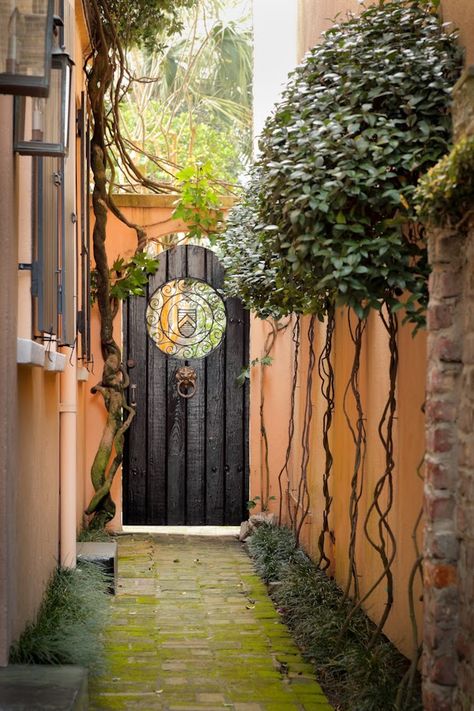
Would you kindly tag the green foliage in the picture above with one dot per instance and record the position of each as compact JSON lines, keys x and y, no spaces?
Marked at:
{"x":139,"y":22}
{"x":272,"y":548}
{"x":252,"y":503}
{"x":199,"y":202}
{"x":445,"y":195}
{"x":200,"y":104}
{"x":245,"y":372}
{"x":93,"y":535}
{"x":330,"y":212}
{"x":357,"y":677}
{"x":257,"y":275}
{"x":70,"y":621}
{"x":128,"y":277}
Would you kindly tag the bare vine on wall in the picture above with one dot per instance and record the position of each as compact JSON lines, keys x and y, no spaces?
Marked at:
{"x":291,"y":428}
{"x":359,"y":439}
{"x":326,"y":376}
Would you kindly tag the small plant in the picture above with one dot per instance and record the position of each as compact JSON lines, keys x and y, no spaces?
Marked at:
{"x":355,"y":675}
{"x":245,"y":372}
{"x":70,"y":620}
{"x":92,"y":535}
{"x":251,"y":504}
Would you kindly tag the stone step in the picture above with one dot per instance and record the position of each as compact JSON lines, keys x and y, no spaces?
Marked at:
{"x":38,"y":687}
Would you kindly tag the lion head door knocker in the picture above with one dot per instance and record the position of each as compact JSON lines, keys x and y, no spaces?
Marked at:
{"x":186,"y":379}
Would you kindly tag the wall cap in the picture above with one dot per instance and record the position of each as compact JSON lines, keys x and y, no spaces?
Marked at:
{"x":164,"y":201}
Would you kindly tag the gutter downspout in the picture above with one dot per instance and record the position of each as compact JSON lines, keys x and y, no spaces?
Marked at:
{"x":68,"y":463}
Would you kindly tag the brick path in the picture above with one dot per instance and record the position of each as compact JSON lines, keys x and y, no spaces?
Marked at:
{"x":193,"y":629}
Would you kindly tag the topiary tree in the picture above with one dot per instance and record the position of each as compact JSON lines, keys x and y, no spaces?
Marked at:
{"x":331,"y":206}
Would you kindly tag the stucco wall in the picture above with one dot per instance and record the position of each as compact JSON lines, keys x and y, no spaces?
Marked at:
{"x":461,"y":14}
{"x":8,"y":320}
{"x":409,"y":449}
{"x":37,"y":490}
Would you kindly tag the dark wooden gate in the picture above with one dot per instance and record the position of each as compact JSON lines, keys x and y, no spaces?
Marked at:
{"x":186,"y":458}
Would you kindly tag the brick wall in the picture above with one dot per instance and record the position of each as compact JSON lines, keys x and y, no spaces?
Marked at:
{"x":448,"y":666}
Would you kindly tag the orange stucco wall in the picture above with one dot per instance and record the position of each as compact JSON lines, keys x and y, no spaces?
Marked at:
{"x":37,"y":490}
{"x":409,"y":449}
{"x":34,"y":516}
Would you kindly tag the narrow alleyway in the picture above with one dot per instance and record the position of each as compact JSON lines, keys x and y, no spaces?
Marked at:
{"x":193,"y":629}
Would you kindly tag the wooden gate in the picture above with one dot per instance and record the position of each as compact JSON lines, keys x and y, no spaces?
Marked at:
{"x":186,"y":454}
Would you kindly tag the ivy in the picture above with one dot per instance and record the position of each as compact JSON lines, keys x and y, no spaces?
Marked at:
{"x":330,"y":214}
{"x":445,"y":195}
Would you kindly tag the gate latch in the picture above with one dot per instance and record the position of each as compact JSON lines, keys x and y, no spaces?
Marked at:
{"x":186,"y":379}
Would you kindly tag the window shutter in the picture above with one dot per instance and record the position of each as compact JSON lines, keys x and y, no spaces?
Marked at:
{"x":46,"y":220}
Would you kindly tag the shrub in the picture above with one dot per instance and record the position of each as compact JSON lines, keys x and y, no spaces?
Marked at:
{"x":70,"y":620}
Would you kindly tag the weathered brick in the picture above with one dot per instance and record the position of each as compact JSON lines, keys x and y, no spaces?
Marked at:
{"x":439,"y":474}
{"x":443,"y":671}
{"x":446,"y":283}
{"x":439,"y":575}
{"x":437,"y":699}
{"x":440,"y":439}
{"x":439,"y":506}
{"x":443,"y":545}
{"x":440,"y":411}
{"x":449,"y":349}
{"x":441,"y":381}
{"x":440,"y":316}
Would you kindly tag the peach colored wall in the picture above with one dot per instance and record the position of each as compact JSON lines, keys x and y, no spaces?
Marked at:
{"x":409,"y":449}
{"x":316,"y":16}
{"x":35,"y":511}
{"x":461,"y":14}
{"x":37,"y":489}
{"x":8,"y":374}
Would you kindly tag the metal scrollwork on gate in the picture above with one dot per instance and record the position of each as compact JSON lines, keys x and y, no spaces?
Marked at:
{"x":186,"y":318}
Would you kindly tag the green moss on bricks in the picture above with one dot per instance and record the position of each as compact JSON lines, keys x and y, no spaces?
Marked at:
{"x":445,"y":195}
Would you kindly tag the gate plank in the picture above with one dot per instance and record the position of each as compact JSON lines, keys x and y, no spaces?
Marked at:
{"x":157,"y":413}
{"x":234,"y":469}
{"x":196,"y":415}
{"x":176,"y":425}
{"x":215,"y":415}
{"x":136,"y":474}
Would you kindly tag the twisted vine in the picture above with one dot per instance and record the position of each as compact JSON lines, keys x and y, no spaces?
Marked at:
{"x":359,"y":438}
{"x":326,"y":375}
{"x":291,"y":426}
{"x":303,"y":502}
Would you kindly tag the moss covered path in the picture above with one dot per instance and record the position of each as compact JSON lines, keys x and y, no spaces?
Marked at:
{"x":193,"y":629}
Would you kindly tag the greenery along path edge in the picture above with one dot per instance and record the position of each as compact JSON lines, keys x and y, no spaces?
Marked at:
{"x":355,"y":676}
{"x":192,"y":628}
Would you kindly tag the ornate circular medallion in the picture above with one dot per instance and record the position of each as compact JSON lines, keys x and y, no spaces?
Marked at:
{"x":186,"y":318}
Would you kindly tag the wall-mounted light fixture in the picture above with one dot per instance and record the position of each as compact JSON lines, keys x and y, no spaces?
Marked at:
{"x":42,"y":124}
{"x":25,"y":46}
